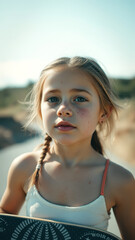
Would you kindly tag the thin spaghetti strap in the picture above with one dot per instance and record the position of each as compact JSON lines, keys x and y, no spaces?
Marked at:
{"x":104,"y":177}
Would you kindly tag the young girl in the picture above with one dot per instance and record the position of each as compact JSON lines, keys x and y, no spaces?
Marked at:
{"x":69,"y":179}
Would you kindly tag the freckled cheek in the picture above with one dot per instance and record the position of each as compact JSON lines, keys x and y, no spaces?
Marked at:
{"x":48,"y":117}
{"x":83,"y":113}
{"x":87,"y":118}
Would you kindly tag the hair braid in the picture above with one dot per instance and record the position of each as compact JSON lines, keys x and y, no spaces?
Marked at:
{"x":45,"y":149}
{"x":95,"y":142}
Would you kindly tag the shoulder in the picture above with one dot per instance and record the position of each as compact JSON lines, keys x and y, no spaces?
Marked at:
{"x":25,"y":160}
{"x":121,"y":180}
{"x":120,"y":173}
{"x":22,"y":167}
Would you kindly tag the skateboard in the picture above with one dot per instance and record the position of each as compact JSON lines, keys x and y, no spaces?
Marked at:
{"x":14,"y":227}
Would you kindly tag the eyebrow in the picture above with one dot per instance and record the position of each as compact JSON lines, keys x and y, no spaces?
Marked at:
{"x":72,"y":90}
{"x":80,"y":90}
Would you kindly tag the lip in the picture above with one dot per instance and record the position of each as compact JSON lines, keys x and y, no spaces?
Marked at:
{"x":65,"y":126}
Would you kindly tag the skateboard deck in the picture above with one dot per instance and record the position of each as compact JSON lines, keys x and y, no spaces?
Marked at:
{"x":14,"y":227}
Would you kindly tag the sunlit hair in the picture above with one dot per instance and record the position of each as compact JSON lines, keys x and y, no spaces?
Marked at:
{"x":100,"y":82}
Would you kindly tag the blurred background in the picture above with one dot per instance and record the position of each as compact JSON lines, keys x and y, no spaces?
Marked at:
{"x":33,"y":33}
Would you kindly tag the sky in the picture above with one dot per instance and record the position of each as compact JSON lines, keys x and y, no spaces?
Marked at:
{"x":35,"y":32}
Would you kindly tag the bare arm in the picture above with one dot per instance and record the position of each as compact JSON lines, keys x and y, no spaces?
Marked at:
{"x":14,"y":195}
{"x":124,"y":209}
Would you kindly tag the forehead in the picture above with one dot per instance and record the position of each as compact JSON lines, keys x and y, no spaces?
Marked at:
{"x":66,"y":78}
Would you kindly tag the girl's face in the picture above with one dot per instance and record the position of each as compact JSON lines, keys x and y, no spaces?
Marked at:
{"x":70,"y":106}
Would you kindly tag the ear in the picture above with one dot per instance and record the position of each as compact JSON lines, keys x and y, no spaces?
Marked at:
{"x":105,"y":115}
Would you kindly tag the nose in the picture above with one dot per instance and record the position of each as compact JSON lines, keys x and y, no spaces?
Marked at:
{"x":64,"y":111}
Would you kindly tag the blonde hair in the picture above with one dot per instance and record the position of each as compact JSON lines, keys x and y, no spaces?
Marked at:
{"x":102,"y":85}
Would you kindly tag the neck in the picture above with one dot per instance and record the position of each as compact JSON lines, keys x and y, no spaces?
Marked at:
{"x":75,"y":154}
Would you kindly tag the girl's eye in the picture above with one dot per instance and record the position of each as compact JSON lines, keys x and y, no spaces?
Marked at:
{"x":53,"y":100}
{"x":80,"y":99}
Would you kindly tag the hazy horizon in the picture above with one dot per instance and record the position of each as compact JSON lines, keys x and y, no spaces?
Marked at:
{"x":35,"y":33}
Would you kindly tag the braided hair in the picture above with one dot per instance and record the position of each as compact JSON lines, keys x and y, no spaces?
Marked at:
{"x":96,"y":144}
{"x":45,"y":150}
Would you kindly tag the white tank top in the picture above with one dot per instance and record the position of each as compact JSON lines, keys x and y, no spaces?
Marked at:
{"x":93,"y":214}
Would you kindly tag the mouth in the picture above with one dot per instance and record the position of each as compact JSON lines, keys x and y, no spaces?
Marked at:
{"x":65,"y":126}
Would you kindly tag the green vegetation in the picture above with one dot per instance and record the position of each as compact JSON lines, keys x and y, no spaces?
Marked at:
{"x":124,"y":88}
{"x":11,"y":97}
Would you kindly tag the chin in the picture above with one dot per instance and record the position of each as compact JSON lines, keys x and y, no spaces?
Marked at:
{"x":65,"y":141}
